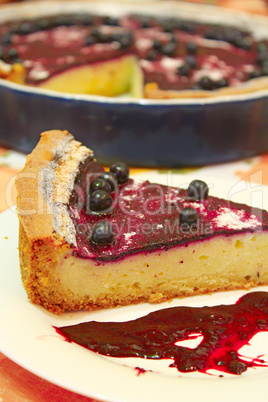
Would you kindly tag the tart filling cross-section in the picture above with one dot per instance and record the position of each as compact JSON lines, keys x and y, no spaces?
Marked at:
{"x":91,"y":238}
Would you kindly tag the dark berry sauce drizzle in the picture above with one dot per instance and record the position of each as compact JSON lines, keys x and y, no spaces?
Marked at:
{"x":225,"y":329}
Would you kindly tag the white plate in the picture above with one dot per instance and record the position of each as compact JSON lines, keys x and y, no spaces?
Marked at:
{"x":27,"y":335}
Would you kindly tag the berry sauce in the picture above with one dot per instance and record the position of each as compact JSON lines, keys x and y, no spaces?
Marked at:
{"x":225,"y":330}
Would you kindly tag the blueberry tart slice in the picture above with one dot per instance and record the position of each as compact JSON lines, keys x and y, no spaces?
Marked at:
{"x":92,"y":239}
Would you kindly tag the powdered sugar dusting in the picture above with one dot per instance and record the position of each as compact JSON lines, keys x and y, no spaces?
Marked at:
{"x":235,"y":219}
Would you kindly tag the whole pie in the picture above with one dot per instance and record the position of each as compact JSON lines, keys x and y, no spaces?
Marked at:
{"x":92,"y":239}
{"x":144,"y":55}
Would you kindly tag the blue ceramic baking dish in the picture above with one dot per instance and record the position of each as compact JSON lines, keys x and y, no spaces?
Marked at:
{"x":149,"y":133}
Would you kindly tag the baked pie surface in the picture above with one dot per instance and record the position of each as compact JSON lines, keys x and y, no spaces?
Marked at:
{"x":144,"y":55}
{"x":155,"y":242}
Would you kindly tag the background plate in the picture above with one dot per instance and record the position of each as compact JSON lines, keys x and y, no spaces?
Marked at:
{"x":27,"y":335}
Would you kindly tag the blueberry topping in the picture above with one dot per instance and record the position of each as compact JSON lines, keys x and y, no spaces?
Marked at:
{"x":223,"y":82}
{"x":244,"y":43}
{"x":213,"y":33}
{"x":145,"y":22}
{"x":173,"y":38}
{"x":25,"y":28}
{"x":188,"y":216}
{"x":255,"y":74}
{"x":191,"y":47}
{"x":184,"y":70}
{"x":157,"y":45}
{"x":264,"y":70}
{"x":95,"y":33}
{"x":169,"y":49}
{"x":191,"y":61}
{"x":84,"y":19}
{"x":90,"y":40}
{"x":198,"y":190}
{"x":121,"y":172}
{"x":64,"y":20}
{"x":44,"y":24}
{"x":262,"y":58}
{"x":6,"y":39}
{"x":100,"y":184}
{"x":186,"y":26}
{"x":113,"y":21}
{"x":100,"y":201}
{"x":104,"y":38}
{"x":110,"y":178}
{"x":151,"y":55}
{"x":261,"y":47}
{"x":206,"y":83}
{"x":169,"y":25}
{"x":237,"y":367}
{"x":2,"y":53}
{"x":12,"y":55}
{"x":125,"y":40}
{"x":102,"y":233}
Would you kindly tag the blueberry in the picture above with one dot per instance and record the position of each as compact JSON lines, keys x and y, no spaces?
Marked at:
{"x":145,"y":22}
{"x":110,"y":178}
{"x":222,"y":83}
{"x":95,"y":33}
{"x":121,"y":172}
{"x":186,"y":26}
{"x":237,"y":367}
{"x":100,"y":184}
{"x":169,"y":25}
{"x":125,"y":40}
{"x":90,"y":40}
{"x":264,"y":69}
{"x":64,"y":20}
{"x":198,"y":190}
{"x":12,"y":55}
{"x":255,"y":74}
{"x":244,"y":43}
{"x":6,"y":39}
{"x":206,"y":83}
{"x":213,"y":33}
{"x":104,"y":38}
{"x":261,"y":47}
{"x":2,"y":53}
{"x":188,"y":216}
{"x":262,"y":58}
{"x":151,"y":55}
{"x":113,"y":21}
{"x":44,"y":24}
{"x":191,"y":61}
{"x":84,"y":19}
{"x":25,"y":28}
{"x":173,"y":38}
{"x":169,"y":49}
{"x":100,"y":201}
{"x":156,"y":44}
{"x":184,"y":70}
{"x":191,"y":47}
{"x":102,"y":233}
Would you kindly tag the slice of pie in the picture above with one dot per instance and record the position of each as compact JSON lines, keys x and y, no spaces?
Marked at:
{"x":93,"y":239}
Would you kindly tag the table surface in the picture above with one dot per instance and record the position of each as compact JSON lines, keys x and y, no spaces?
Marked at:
{"x":19,"y":385}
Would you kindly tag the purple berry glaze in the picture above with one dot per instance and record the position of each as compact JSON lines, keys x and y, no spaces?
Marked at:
{"x":145,"y":217}
{"x":225,"y":330}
